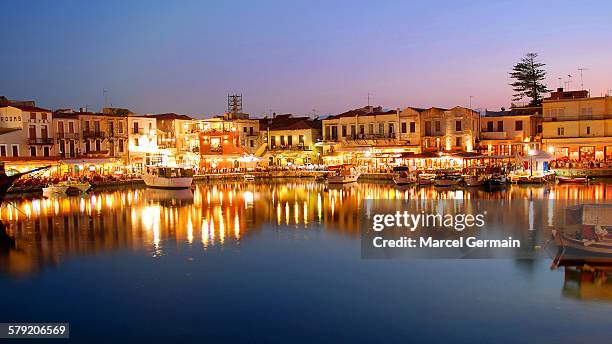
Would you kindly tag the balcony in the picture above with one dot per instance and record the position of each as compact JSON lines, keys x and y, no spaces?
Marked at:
{"x":67,"y":135}
{"x":291,"y":148}
{"x":493,"y":135}
{"x":114,"y":134}
{"x":40,"y":141}
{"x":94,"y":134}
{"x":370,"y":136}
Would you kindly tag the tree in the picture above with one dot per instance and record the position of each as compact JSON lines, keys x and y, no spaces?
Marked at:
{"x":529,"y":76}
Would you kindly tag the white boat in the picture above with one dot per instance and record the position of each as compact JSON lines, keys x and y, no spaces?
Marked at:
{"x":343,"y":175}
{"x":164,"y":177}
{"x":249,"y":178}
{"x":54,"y":190}
{"x":426,"y":178}
{"x":403,"y":176}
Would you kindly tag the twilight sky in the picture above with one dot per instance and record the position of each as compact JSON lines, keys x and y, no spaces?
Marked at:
{"x":294,"y":56}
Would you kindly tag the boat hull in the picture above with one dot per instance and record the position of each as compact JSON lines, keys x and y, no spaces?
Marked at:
{"x":55,"y":190}
{"x":158,"y":182}
{"x":583,"y":246}
{"x":399,"y":181}
{"x":343,"y":179}
{"x":570,"y":180}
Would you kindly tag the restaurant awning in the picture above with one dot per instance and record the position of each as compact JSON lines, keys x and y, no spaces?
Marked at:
{"x":424,"y":155}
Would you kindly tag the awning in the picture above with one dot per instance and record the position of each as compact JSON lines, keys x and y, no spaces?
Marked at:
{"x":95,"y":161}
{"x":424,"y":155}
{"x":354,"y":149}
{"x":468,"y":155}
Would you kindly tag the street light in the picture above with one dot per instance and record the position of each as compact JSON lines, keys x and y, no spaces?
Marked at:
{"x":531,"y":154}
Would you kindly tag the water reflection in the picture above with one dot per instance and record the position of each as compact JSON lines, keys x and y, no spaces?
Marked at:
{"x":45,"y":231}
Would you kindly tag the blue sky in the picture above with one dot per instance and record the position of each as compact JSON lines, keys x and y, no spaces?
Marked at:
{"x":294,"y":56}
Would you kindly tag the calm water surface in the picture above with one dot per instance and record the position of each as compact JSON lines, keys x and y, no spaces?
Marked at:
{"x":274,"y":262}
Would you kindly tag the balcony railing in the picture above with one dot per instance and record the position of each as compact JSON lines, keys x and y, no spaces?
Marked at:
{"x":285,"y":147}
{"x":94,"y":134}
{"x":41,"y":141}
{"x":370,"y":136}
{"x":67,"y":135}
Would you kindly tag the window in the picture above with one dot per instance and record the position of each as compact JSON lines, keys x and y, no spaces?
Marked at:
{"x":15,"y":150}
{"x":251,"y":143}
{"x":136,"y":128}
{"x":371,"y":128}
{"x":43,"y":116}
{"x":518,"y":125}
{"x":301,"y":139}
{"x":437,"y":125}
{"x":87,"y":146}
{"x":362,"y":129}
{"x":60,"y":127}
{"x":244,"y":129}
{"x":457,"y":125}
{"x":136,"y":142}
{"x":404,"y":128}
{"x":32,"y":116}
{"x":353,"y":132}
{"x":71,"y":127}
{"x":44,"y":132}
{"x":2,"y":150}
{"x":120,"y":127}
{"x":412,"y":127}
{"x":32,"y":131}
{"x":46,"y":151}
{"x":490,"y":126}
{"x":98,"y":145}
{"x":150,"y":127}
{"x":120,"y":146}
{"x":500,"y":125}
{"x":273,"y":141}
{"x":427,"y":128}
{"x":32,"y":151}
{"x":588,"y":130}
{"x":290,"y":140}
{"x":586,"y":111}
{"x":458,"y":142}
{"x":344,"y":131}
{"x":282,"y":140}
{"x":560,"y":131}
{"x":391,"y":128}
{"x":381,"y":128}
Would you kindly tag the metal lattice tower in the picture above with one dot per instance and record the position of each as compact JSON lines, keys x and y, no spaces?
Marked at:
{"x":234,"y":103}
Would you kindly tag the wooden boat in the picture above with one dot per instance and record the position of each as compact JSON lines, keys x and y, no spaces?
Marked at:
{"x":168,"y":177}
{"x":447,"y":180}
{"x":573,"y":180}
{"x":7,"y":181}
{"x":343,"y":175}
{"x":564,"y":240}
{"x":403,"y":177}
{"x":75,"y":185}
{"x":471,"y":181}
{"x":426,"y":178}
{"x":249,"y":178}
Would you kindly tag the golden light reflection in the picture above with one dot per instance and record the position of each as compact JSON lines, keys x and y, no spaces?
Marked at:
{"x":227,"y":212}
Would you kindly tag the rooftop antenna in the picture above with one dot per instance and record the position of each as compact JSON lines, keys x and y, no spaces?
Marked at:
{"x":560,"y":81}
{"x":470,"y":106}
{"x":368,"y":99}
{"x":581,"y":81}
{"x":569,"y":81}
{"x":105,"y":95}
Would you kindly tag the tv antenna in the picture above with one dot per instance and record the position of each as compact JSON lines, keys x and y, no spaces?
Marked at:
{"x":569,"y":81}
{"x":470,"y":102}
{"x":105,"y":96}
{"x":369,"y":96}
{"x":581,"y":81}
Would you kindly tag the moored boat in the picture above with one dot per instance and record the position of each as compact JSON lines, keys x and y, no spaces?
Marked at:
{"x":164,"y":177}
{"x":403,"y":177}
{"x":343,"y":175}
{"x":75,"y":185}
{"x":426,"y":178}
{"x":447,"y":180}
{"x":249,"y":178}
{"x":55,"y":190}
{"x":573,"y":180}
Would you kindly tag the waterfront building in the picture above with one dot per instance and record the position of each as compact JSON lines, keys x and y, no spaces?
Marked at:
{"x":227,"y":142}
{"x":449,"y":130}
{"x":291,"y":140}
{"x":578,"y":127}
{"x":142,"y":142}
{"x":510,"y":132}
{"x":368,"y":136}
{"x":175,"y":141}
{"x":26,"y":136}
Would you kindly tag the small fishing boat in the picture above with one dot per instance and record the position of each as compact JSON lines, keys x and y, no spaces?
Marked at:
{"x":343,"y":175}
{"x":472,"y":181}
{"x":426,"y":178}
{"x":573,"y":180}
{"x":591,"y":245}
{"x":249,"y":178}
{"x":165,"y":177}
{"x":447,"y":180}
{"x":55,"y":190}
{"x":403,"y":177}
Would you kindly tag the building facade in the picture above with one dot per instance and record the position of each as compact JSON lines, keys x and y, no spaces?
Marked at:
{"x":449,"y":130}
{"x":174,"y":139}
{"x":291,"y":141}
{"x":142,"y":142}
{"x":510,"y":132}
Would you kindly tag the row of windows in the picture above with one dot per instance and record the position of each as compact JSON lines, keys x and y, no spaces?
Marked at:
{"x":518,"y":125}
{"x":288,"y":142}
{"x":561,"y":131}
